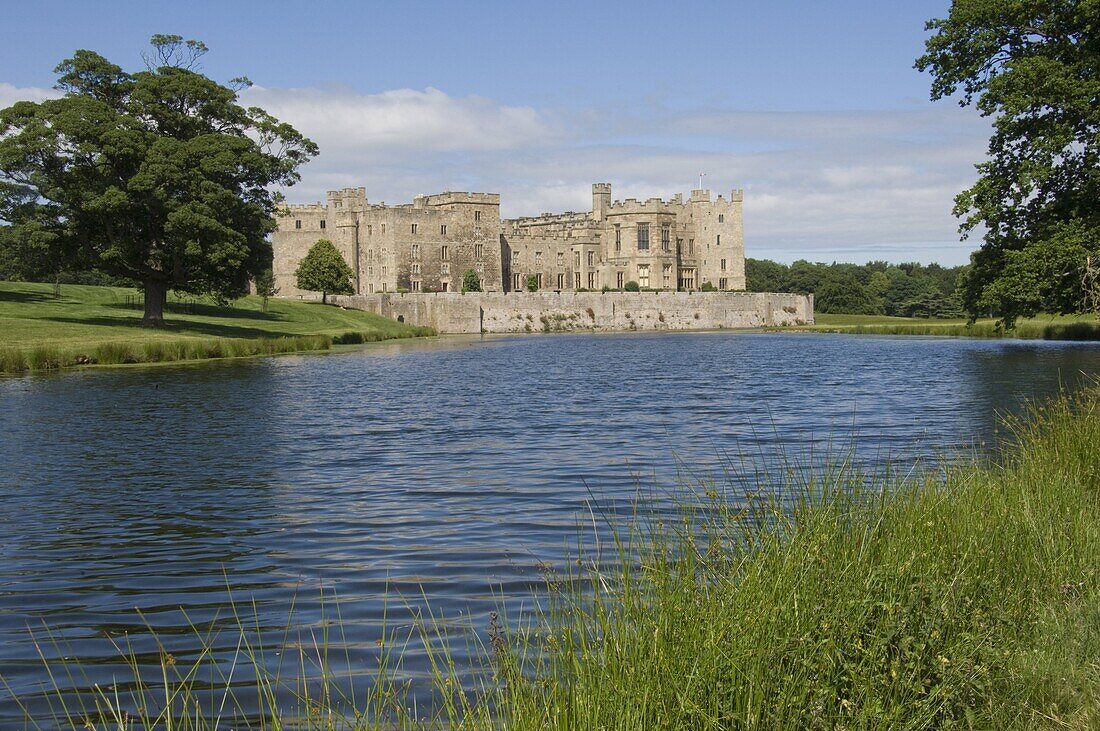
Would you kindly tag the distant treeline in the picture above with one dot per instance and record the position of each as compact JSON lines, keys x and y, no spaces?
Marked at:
{"x":875,"y":288}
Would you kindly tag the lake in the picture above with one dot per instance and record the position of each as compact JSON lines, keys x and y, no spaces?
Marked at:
{"x":440,"y":473}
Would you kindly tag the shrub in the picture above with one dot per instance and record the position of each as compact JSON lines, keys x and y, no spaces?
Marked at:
{"x":708,"y":287}
{"x":532,"y":283}
{"x":632,"y":286}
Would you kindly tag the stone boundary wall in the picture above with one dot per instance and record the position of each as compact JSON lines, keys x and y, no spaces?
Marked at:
{"x":499,"y":312}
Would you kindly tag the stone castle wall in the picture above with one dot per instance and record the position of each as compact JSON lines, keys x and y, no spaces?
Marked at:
{"x":500,"y":312}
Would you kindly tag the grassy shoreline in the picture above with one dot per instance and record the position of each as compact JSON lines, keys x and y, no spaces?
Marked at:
{"x":964,"y":599}
{"x":1061,"y":327}
{"x":102,"y":326}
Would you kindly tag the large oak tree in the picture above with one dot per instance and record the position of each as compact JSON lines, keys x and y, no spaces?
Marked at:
{"x":160,"y":175}
{"x":1033,"y":67}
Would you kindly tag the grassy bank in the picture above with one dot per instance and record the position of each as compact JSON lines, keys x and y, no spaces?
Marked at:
{"x":969,"y":600}
{"x":102,"y":325}
{"x":1058,"y":327}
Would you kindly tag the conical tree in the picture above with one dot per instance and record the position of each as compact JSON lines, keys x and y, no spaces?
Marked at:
{"x":324,"y":270}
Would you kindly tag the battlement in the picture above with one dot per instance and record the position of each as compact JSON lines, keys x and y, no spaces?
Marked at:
{"x":360,"y":193}
{"x":651,"y":205}
{"x":305,"y":207}
{"x":452,"y":197}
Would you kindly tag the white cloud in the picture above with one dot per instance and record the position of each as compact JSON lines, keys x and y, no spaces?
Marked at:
{"x":11,"y":94}
{"x":403,"y":119}
{"x":819,"y":185}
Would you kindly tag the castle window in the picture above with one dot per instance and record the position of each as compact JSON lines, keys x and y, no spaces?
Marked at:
{"x":383,"y":233}
{"x":618,"y":237}
{"x":442,"y":229}
{"x":665,"y":236}
{"x":479,"y":251}
{"x":591,"y":258}
{"x":515,"y":258}
{"x":517,"y":282}
{"x":691,"y":247}
{"x":667,"y":275}
{"x":538,"y":281}
{"x":416,"y":251}
{"x":413,"y":227}
{"x":723,"y":266}
{"x":370,"y":271}
{"x":371,"y":287}
{"x":477,"y":232}
{"x":370,"y":229}
{"x":679,"y":245}
{"x":721,"y":218}
{"x":416,"y":267}
{"x":479,"y":266}
{"x":383,"y":286}
{"x":370,"y":254}
{"x":383,"y":271}
{"x":643,"y":275}
{"x":538,"y":258}
{"x":477,"y":215}
{"x":643,"y":236}
{"x":592,"y":280}
{"x":445,"y":268}
{"x":722,"y":283}
{"x":619,"y":277}
{"x":298,"y":223}
{"x":577,"y":261}
{"x":561,"y":259}
{"x":444,"y":253}
{"x":415,"y":285}
{"x":322,"y":224}
{"x":576,"y":280}
{"x":561,"y":281}
{"x":718,"y":240}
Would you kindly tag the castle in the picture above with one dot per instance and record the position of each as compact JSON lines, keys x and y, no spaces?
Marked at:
{"x":427,"y":245}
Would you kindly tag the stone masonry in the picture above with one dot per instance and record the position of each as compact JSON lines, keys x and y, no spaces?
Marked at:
{"x":428,"y":245}
{"x":500,"y":312}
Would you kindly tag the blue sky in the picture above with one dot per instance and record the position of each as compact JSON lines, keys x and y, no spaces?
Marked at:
{"x":812,"y":107}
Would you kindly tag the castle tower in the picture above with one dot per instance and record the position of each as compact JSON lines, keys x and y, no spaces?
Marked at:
{"x":601,"y":200}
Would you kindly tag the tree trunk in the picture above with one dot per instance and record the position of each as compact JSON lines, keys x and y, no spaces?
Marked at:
{"x":156,"y":297}
{"x":324,"y":298}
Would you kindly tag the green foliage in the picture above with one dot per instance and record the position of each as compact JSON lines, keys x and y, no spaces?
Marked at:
{"x":532,"y":283}
{"x":844,"y":293}
{"x":265,"y":287}
{"x":324,"y":270}
{"x":471,"y":282}
{"x":708,"y":287}
{"x":631,"y":286}
{"x":1032,"y":67}
{"x":159,"y":176}
{"x":903,"y":290}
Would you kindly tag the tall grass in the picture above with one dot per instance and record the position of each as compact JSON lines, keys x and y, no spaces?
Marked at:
{"x":1026,"y":330}
{"x":17,"y":360}
{"x":970,"y":599}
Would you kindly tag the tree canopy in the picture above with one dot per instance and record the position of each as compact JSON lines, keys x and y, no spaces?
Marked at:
{"x":874,"y":288}
{"x":324,"y":270}
{"x":1033,"y":66}
{"x":471,"y":282}
{"x":160,"y":175}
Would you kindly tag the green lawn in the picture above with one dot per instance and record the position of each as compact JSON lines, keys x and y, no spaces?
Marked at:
{"x":86,"y":319}
{"x":1046,"y":327}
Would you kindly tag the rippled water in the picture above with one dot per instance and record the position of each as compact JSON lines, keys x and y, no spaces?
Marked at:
{"x":438,"y":472}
